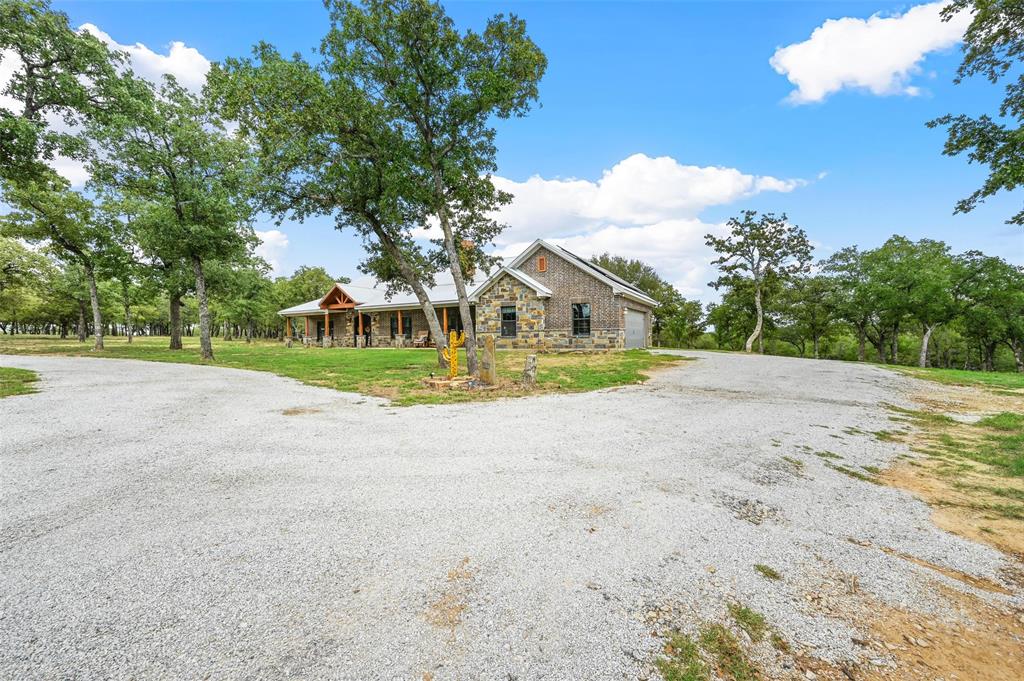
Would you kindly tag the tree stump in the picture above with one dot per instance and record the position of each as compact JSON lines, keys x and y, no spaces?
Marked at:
{"x":488,"y":367}
{"x":530,"y":371}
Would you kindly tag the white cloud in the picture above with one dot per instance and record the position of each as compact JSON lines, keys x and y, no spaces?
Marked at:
{"x":185,"y":63}
{"x":273,"y":244}
{"x":879,"y":54}
{"x":643,"y":207}
{"x":638,"y":190}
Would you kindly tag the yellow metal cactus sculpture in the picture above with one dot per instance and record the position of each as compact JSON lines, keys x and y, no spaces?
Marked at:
{"x":451,"y":353}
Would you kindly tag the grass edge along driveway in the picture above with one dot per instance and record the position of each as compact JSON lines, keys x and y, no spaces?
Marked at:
{"x":17,"y":381}
{"x":391,"y":373}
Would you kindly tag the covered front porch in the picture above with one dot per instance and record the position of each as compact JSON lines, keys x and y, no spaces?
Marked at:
{"x":359,"y":328}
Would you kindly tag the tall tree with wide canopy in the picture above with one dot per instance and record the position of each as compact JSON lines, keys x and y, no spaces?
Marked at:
{"x":59,"y":78}
{"x":441,"y":88}
{"x":188,"y":180}
{"x":325,"y":148}
{"x":994,"y":48}
{"x":759,"y":249}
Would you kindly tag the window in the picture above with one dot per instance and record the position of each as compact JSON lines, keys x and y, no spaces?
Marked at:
{"x":406,"y":325}
{"x":542,"y":264}
{"x":581,"y":319}
{"x":508,"y":321}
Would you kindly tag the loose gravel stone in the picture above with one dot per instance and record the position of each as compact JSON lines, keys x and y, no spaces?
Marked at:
{"x":174,"y":521}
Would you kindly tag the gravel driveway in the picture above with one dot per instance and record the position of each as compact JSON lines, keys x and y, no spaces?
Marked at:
{"x":173,"y":521}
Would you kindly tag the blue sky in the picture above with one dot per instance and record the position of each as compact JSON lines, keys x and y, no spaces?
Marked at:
{"x":678,"y":107}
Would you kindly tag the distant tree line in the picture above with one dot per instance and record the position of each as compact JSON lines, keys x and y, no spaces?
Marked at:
{"x":905,"y":302}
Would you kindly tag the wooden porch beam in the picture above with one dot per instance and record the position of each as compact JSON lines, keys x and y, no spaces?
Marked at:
{"x":401,"y":329}
{"x":327,"y":323}
{"x":444,"y":312}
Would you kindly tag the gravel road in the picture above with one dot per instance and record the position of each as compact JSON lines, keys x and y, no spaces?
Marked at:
{"x":173,"y":521}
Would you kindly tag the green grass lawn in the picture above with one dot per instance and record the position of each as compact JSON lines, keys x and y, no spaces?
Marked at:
{"x":1001,"y":380}
{"x":17,"y":381}
{"x":395,"y":374}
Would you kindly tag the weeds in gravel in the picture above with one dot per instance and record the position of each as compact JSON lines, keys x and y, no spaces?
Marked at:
{"x":730,"y":661}
{"x":682,"y":660}
{"x":17,"y":381}
{"x":750,"y":621}
{"x":767,"y":571}
{"x":778,"y":642}
{"x":795,"y":463}
{"x":853,"y":473}
{"x":825,"y":454}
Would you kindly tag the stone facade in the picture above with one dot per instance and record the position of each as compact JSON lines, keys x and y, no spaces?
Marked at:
{"x":530,"y":314}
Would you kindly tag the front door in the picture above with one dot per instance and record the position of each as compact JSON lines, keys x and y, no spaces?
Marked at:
{"x":365,"y":328}
{"x":319,"y":331}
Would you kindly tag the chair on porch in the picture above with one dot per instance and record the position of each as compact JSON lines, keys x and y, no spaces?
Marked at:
{"x":422,"y":340}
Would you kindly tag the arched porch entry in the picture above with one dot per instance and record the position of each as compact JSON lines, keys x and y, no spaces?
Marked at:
{"x":361,"y":327}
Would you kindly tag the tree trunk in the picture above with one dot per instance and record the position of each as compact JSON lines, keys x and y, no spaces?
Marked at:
{"x":205,"y":345}
{"x":175,"y":321}
{"x":97,"y":315}
{"x":861,"y":345}
{"x":1018,"y":356}
{"x":81,"y":321}
{"x":922,"y":358}
{"x":760,"y":319}
{"x":436,"y":332}
{"x":816,"y":346}
{"x":63,"y":329}
{"x":455,"y":266}
{"x":128,"y":322}
{"x":248,"y":338}
{"x":895,"y":344}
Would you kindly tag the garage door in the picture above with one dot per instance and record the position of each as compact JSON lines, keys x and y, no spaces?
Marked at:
{"x":636,"y":336}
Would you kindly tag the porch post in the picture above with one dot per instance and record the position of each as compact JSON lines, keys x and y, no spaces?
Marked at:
{"x":360,"y":323}
{"x":307,"y":327}
{"x":401,"y":330}
{"x":287,"y":327}
{"x":327,"y":323}
{"x":444,"y":312}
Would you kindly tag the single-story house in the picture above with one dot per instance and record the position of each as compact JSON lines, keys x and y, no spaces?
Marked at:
{"x":546,"y":297}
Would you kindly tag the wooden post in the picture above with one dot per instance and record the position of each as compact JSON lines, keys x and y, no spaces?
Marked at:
{"x":360,"y":323}
{"x":444,"y":313}
{"x":401,"y":330}
{"x":287,"y":327}
{"x":307,"y":327}
{"x":327,"y":323}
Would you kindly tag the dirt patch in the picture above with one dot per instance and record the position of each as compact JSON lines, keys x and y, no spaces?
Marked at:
{"x":447,"y":610}
{"x":957,"y":511}
{"x":982,"y":642}
{"x":296,"y":411}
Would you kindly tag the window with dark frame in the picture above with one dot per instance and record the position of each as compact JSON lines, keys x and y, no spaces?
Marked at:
{"x":406,"y":325}
{"x":581,"y":319}
{"x":508,"y":321}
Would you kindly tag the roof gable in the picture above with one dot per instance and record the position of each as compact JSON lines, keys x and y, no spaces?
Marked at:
{"x":619,"y":286}
{"x":541,"y":290}
{"x":337,"y":299}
